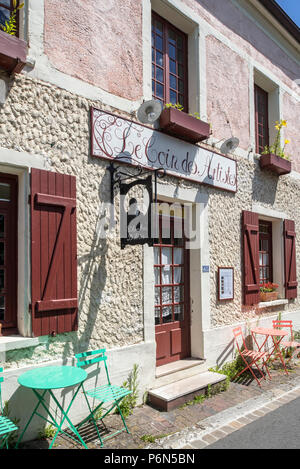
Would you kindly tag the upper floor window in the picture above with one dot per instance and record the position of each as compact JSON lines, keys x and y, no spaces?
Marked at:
{"x":7,"y":7}
{"x":261,"y":119}
{"x":169,"y":63}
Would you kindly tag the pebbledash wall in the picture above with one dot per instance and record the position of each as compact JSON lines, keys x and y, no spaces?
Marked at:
{"x":79,"y":57}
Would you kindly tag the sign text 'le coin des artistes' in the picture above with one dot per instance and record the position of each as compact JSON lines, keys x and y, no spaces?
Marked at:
{"x":116,"y":138}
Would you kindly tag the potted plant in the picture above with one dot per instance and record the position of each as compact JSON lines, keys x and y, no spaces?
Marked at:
{"x":177,"y":123}
{"x":273,"y":157}
{"x":13,"y":50}
{"x":268,"y":291}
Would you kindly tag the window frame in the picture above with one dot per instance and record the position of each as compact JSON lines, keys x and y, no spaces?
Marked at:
{"x":258,"y":91}
{"x":269,"y":238}
{"x":10,"y":240}
{"x":167,"y":26}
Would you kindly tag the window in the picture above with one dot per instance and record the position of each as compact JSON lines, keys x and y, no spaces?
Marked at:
{"x":8,"y":253}
{"x":6,"y":9}
{"x":169,"y":63}
{"x":259,"y":266}
{"x":261,"y":119}
{"x":265,"y":252}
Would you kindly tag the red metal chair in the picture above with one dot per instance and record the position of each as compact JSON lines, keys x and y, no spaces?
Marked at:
{"x":250,"y":357}
{"x":289,"y":342}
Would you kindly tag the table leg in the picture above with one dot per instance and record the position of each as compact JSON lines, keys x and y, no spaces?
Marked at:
{"x":65,"y":417}
{"x":41,"y":401}
{"x":277,"y":348}
{"x":259,"y":349}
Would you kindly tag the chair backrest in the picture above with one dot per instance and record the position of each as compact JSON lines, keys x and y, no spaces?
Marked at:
{"x":237,"y":332}
{"x":280,"y":324}
{"x":1,"y":381}
{"x":97,"y":356}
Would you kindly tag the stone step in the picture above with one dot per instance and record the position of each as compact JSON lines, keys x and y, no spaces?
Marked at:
{"x":178,"y":370}
{"x":178,"y":393}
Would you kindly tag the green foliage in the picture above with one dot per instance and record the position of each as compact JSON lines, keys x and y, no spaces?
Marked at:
{"x":276,"y":148}
{"x":10,"y":26}
{"x":129,"y":402}
{"x":179,"y":107}
{"x":47,"y":432}
{"x":152,"y":438}
{"x":12,"y":438}
{"x":231,"y":369}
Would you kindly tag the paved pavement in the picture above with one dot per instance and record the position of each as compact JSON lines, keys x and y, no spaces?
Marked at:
{"x":194,"y":426}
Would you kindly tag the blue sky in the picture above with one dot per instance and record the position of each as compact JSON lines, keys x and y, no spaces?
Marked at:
{"x":292,"y":8}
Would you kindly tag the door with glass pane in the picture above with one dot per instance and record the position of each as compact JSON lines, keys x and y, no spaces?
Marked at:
{"x":172,"y":309}
{"x":8,"y":253}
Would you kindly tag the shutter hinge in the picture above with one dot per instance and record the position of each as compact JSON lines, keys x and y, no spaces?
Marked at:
{"x":29,"y":199}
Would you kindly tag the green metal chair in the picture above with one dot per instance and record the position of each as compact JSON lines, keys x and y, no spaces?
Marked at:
{"x":6,"y":425}
{"x":106,"y":393}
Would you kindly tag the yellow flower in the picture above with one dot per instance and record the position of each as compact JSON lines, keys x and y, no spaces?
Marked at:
{"x":283,"y":123}
{"x":287,"y":142}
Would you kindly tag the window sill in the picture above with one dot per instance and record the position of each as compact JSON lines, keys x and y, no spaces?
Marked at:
{"x":13,"y":52}
{"x":269,"y":304}
{"x":14,"y":342}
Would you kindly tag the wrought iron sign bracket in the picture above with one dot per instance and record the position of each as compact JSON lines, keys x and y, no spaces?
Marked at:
{"x":135,"y":226}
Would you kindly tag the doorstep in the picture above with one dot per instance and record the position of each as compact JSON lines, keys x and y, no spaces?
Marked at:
{"x":178,"y":393}
{"x":175,"y":371}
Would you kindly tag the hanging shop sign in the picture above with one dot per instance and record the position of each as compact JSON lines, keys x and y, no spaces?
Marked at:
{"x":114,"y":137}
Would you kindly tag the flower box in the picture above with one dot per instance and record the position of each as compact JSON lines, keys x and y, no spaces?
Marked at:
{"x":275,"y":163}
{"x":181,"y":125}
{"x":268,"y":296}
{"x":13,"y":52}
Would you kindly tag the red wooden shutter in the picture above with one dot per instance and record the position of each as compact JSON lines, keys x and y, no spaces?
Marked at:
{"x":53,"y":253}
{"x":290,"y":259}
{"x":251,"y":257}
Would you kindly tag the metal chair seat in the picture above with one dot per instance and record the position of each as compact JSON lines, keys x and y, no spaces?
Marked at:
{"x":6,"y":425}
{"x":108,"y":393}
{"x":254,"y":354}
{"x":290,"y":344}
{"x":105,"y":393}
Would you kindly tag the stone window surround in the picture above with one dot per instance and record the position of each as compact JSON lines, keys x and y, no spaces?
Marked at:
{"x":277,"y":219}
{"x":20,"y":163}
{"x":274,"y":103}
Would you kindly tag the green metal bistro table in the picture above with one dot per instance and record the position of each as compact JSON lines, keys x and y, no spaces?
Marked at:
{"x":43,"y":381}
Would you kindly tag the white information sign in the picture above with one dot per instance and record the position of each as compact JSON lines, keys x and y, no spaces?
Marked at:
{"x":226,"y":283}
{"x":114,"y":137}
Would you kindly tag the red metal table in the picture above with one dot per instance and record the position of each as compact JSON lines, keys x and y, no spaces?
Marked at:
{"x":276,"y":335}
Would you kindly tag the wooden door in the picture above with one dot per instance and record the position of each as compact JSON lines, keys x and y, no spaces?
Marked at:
{"x":172,"y":305}
{"x":8,"y":253}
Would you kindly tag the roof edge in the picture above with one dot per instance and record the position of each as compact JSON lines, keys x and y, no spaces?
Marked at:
{"x":281,"y":16}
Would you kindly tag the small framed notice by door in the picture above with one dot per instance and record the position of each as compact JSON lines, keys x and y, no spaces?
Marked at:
{"x":226,"y":283}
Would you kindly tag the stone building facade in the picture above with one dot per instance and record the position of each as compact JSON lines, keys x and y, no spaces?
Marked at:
{"x":93,"y":56}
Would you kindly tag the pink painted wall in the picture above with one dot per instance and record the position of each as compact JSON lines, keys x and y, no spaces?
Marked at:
{"x":231,"y":21}
{"x":291,"y":112}
{"x":227,"y":92}
{"x":99,"y":44}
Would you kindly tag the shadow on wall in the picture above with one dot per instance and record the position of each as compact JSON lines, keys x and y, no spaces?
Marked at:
{"x":234,"y":18}
{"x":264,"y":186}
{"x":93,"y":280}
